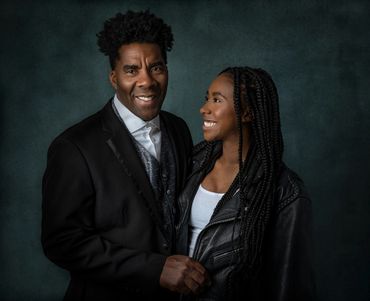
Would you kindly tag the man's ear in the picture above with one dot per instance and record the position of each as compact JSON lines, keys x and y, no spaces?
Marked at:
{"x":113,"y":79}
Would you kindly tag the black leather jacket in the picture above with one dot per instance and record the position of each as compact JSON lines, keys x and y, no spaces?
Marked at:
{"x":286,"y":272}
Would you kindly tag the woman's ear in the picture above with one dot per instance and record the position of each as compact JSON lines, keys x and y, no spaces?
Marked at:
{"x":247,"y":116}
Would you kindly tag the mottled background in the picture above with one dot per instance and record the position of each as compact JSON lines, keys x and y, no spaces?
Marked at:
{"x":318,"y":52}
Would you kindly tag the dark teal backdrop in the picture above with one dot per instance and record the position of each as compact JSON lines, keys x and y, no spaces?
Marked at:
{"x":318,"y":52}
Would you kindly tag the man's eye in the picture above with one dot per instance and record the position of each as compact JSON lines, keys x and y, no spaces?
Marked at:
{"x":157,"y":69}
{"x":216,"y":100}
{"x":130,"y":70}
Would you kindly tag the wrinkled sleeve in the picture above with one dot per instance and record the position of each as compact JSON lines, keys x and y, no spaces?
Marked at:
{"x":289,"y":264}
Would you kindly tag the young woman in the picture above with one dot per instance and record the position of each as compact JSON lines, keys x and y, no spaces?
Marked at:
{"x":243,"y":214}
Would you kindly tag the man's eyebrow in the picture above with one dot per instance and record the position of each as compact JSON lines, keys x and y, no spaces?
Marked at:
{"x":133,"y":66}
{"x":157,"y":63}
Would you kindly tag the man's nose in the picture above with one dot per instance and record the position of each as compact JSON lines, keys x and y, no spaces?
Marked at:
{"x":145,"y":79}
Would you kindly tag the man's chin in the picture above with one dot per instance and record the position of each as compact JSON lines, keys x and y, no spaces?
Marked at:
{"x":149,"y":115}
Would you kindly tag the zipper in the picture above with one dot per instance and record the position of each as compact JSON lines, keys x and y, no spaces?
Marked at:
{"x":220,"y":203}
{"x":222,"y":255}
{"x":200,"y":236}
{"x":190,"y":203}
{"x":201,"y":176}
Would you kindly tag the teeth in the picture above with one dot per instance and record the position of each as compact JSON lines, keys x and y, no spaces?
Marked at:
{"x":209,"y":124}
{"x":145,"y":98}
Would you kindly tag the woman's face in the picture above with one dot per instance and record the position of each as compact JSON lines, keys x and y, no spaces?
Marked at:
{"x":219,"y":117}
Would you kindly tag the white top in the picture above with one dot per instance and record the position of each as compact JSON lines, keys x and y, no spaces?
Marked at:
{"x":204,"y":204}
{"x":147,"y":133}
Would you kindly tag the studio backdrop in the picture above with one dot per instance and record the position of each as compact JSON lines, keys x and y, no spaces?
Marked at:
{"x":318,"y":53}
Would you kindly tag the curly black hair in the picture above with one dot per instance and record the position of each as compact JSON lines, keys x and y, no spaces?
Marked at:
{"x":131,"y":27}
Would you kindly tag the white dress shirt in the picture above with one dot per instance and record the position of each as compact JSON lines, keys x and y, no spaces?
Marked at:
{"x":147,"y":133}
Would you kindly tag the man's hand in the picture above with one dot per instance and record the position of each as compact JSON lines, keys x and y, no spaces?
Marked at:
{"x":183,"y":275}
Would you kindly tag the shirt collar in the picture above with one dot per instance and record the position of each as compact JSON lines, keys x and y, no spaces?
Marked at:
{"x":133,"y":122}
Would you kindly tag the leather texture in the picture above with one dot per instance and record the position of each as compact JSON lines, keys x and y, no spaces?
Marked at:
{"x":286,"y":272}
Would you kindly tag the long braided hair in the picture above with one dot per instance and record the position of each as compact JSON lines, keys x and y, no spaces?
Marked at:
{"x":255,"y":91}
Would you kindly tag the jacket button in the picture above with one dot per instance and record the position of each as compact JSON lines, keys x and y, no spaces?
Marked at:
{"x":165,"y":245}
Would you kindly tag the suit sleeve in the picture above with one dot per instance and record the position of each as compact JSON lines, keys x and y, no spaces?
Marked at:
{"x":289,"y":261}
{"x":69,"y":237}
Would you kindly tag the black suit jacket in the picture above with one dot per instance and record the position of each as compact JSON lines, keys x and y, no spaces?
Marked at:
{"x":99,"y":219}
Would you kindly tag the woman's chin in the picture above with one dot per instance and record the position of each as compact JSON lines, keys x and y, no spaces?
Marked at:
{"x":208,"y":138}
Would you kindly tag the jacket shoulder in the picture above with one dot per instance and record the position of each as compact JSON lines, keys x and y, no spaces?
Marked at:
{"x":290,"y":188}
{"x":174,"y":120}
{"x":83,"y":130}
{"x":201,"y":152}
{"x":200,"y":149}
{"x":178,"y":129}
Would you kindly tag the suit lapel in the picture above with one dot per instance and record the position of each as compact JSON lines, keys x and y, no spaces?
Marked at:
{"x":175,"y":147}
{"x":121,"y":144}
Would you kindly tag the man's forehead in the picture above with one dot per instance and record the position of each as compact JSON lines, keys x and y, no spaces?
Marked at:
{"x":139,"y":51}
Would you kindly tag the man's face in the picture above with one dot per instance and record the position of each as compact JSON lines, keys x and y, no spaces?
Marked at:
{"x":140,"y":79}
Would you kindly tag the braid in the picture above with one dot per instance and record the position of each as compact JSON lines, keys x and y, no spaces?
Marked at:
{"x":207,"y":153}
{"x":237,"y":107}
{"x":256,"y":88}
{"x":277,"y":135}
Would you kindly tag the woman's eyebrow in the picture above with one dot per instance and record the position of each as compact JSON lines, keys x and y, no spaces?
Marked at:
{"x":218,"y":94}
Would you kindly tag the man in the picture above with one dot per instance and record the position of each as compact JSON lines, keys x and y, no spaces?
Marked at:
{"x":111,"y":181}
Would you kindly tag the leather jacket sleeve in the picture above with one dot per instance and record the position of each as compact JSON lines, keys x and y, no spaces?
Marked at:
{"x":288,"y":265}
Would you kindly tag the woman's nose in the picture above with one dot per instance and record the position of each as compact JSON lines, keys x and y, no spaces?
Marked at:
{"x":204,"y":109}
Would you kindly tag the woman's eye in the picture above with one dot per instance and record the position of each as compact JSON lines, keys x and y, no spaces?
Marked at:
{"x":206,"y":99}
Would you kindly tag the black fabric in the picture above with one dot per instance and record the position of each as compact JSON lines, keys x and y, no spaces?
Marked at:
{"x":168,"y":185}
{"x":162,"y":177}
{"x":100,"y":220}
{"x":286,"y":272}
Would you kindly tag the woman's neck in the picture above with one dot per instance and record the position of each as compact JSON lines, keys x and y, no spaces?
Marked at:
{"x":227,"y":165}
{"x":230,"y":149}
